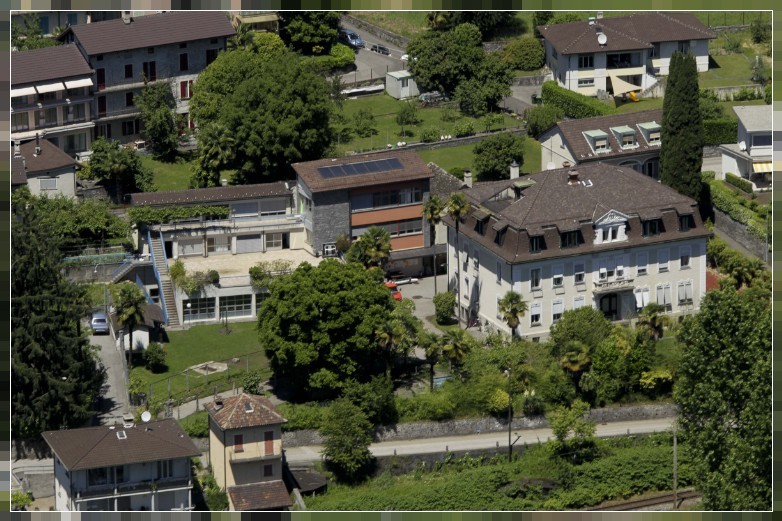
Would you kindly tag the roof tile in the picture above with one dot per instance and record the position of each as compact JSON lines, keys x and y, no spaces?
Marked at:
{"x":267,"y":495}
{"x":210,"y":195}
{"x":51,"y":63}
{"x":236,"y":414}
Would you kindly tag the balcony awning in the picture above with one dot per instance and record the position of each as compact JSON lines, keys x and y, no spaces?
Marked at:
{"x":24,"y":91}
{"x":762,"y":167}
{"x":75,"y":84}
{"x":621,"y":86}
{"x":49,"y":87}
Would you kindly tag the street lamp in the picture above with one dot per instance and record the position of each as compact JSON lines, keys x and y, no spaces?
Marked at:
{"x":188,"y":315}
{"x":510,"y":418}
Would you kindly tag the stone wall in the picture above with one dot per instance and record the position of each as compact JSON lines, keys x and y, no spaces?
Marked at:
{"x":387,"y":36}
{"x":419,"y":430}
{"x":91,"y":273}
{"x":739,"y":233}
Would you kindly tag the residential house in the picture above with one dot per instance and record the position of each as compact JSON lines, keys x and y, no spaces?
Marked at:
{"x":622,"y":54}
{"x":171,"y":47}
{"x":143,"y":333}
{"x":401,"y":85}
{"x":347,"y":196}
{"x":245,"y":451}
{"x":44,"y":169}
{"x":51,"y":97}
{"x":751,"y":157}
{"x":123,"y":467}
{"x":260,"y":225}
{"x":631,"y":140}
{"x":595,"y":235}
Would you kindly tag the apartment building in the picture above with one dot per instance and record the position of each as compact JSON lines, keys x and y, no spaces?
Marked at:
{"x":171,"y":47}
{"x":51,"y":97}
{"x":123,"y":467}
{"x":245,"y":451}
{"x":623,"y":54}
{"x":595,"y":235}
{"x":633,"y":140}
{"x":347,"y":196}
{"x":750,"y":157}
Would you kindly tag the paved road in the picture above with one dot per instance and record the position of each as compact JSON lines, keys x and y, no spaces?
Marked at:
{"x":371,"y":65}
{"x":478,"y":441}
{"x":113,"y":402}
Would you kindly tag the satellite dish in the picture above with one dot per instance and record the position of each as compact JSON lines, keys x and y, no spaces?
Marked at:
{"x":602,"y":39}
{"x":743,"y":146}
{"x":146,"y":416}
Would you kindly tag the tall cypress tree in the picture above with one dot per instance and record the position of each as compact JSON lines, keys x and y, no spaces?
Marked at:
{"x":55,"y":374}
{"x":681,"y":155}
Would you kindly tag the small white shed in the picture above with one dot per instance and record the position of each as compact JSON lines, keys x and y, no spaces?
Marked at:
{"x":401,"y":85}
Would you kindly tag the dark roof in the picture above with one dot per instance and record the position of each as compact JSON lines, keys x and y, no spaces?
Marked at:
{"x":551,"y":205}
{"x":307,"y":480}
{"x":94,"y":447}
{"x":210,"y":195}
{"x":267,"y":495}
{"x":152,"y":314}
{"x":151,"y":30}
{"x":413,"y":168}
{"x":443,"y":184}
{"x":573,"y":134}
{"x":18,"y":173}
{"x":637,"y":31}
{"x":51,"y":63}
{"x":50,"y":158}
{"x":234,"y":412}
{"x":417,"y":253}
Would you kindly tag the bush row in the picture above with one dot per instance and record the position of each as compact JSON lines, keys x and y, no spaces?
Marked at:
{"x":719,"y":131}
{"x":339,"y":57}
{"x":738,"y":182}
{"x":152,"y":215}
{"x":573,"y":104}
{"x":725,"y":200}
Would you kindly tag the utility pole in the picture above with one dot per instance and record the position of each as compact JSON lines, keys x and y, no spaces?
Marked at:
{"x":675,"y":464}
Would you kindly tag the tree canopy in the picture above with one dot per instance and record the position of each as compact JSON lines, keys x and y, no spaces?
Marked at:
{"x":373,"y":248}
{"x":28,"y":35}
{"x":494,"y":155}
{"x":119,"y":168}
{"x":55,"y":373}
{"x":489,"y":22}
{"x":157,"y":105}
{"x":724,"y":395}
{"x":347,"y":435}
{"x":318,"y":326}
{"x":310,"y":32}
{"x":681,"y":156}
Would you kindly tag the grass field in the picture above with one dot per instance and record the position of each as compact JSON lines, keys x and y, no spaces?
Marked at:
{"x":169,"y":176}
{"x":462,"y":157}
{"x":200,"y":344}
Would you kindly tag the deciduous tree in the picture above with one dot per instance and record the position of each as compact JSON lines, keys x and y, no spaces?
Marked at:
{"x":120,"y":169}
{"x":494,"y":155}
{"x":309,"y":32}
{"x":347,"y":435}
{"x":28,"y":35}
{"x":157,"y":104}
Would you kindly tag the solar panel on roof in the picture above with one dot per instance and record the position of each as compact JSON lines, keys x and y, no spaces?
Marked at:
{"x":349,"y":170}
{"x":394,"y":164}
{"x":361,"y":168}
{"x":366,"y":167}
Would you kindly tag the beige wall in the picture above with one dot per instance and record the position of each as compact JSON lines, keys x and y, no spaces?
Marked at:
{"x":554,"y":150}
{"x":66,"y":182}
{"x":239,"y":468}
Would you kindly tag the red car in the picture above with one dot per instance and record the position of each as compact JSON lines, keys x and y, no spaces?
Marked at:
{"x":394,"y":290}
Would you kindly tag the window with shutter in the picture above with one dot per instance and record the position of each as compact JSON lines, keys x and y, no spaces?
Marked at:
{"x":534,"y":313}
{"x":578,"y":302}
{"x":557,"y":308}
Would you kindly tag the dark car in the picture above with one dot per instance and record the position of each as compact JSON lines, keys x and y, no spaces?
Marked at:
{"x":350,"y":38}
{"x":382,"y":49}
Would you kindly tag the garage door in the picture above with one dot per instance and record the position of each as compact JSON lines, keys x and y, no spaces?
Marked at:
{"x":248,"y":243}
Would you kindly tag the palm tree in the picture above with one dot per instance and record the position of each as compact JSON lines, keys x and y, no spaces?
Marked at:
{"x":243,"y":39}
{"x":389,"y":335}
{"x":575,"y":359}
{"x":456,"y":344}
{"x":457,"y":207}
{"x":433,"y":212}
{"x":512,"y":307}
{"x":432,"y":351}
{"x":129,"y":305}
{"x":651,"y":319}
{"x":216,"y":150}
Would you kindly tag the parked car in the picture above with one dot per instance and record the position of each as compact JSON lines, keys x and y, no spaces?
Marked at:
{"x":394,"y":290}
{"x":382,"y":49}
{"x":99,"y":324}
{"x":351,"y":38}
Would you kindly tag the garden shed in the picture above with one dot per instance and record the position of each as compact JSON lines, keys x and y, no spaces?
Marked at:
{"x":401,"y":85}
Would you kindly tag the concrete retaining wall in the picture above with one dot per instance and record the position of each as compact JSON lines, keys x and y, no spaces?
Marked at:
{"x":739,"y":233}
{"x":91,"y":273}
{"x":387,"y":36}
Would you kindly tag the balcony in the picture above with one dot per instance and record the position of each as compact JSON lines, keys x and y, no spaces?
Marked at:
{"x":610,"y":286}
{"x":117,"y":114}
{"x":221,"y":226}
{"x":249,"y":455}
{"x":133,"y":488}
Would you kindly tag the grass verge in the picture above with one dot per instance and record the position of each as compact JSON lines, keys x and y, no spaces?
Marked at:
{"x":462,"y":157}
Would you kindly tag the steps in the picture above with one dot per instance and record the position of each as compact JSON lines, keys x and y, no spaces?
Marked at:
{"x":159,"y":255}
{"x":167,"y":291}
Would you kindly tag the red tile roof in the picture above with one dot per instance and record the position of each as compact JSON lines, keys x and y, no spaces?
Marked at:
{"x":151,"y":30}
{"x":51,"y":63}
{"x":267,"y":495}
{"x":244,"y":410}
{"x":101,"y":447}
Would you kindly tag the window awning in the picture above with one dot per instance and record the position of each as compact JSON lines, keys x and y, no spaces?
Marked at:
{"x":75,"y":84}
{"x":24,"y":91}
{"x":763,"y":167}
{"x":620,"y":86}
{"x":49,"y":87}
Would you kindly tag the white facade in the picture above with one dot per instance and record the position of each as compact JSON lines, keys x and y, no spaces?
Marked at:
{"x":618,"y":281}
{"x":401,"y":85}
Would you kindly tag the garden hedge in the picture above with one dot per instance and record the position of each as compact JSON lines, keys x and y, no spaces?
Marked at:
{"x":719,"y":131}
{"x":573,"y":104}
{"x":738,"y":182}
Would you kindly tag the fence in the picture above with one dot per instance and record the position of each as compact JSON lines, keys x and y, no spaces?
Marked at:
{"x":201,"y":380}
{"x":367,"y":75}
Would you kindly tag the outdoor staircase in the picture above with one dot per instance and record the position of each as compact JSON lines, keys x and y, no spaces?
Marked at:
{"x":166,"y":287}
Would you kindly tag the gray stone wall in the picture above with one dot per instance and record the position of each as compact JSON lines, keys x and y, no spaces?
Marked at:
{"x":392,"y":38}
{"x":90,"y":273}
{"x":330,"y":217}
{"x":739,"y":233}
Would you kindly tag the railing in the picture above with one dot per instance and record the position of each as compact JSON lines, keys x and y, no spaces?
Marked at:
{"x":133,"y":487}
{"x":157,"y":277}
{"x":602,"y":286}
{"x":163,"y":246}
{"x":267,"y":222}
{"x":140,"y":284}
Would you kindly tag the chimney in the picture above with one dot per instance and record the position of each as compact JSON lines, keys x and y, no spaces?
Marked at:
{"x":514,"y":170}
{"x":566,"y":164}
{"x":572,"y":177}
{"x":468,"y":178}
{"x":218,"y":404}
{"x":17,"y":150}
{"x":126,"y":18}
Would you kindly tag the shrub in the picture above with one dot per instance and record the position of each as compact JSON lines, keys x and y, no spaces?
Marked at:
{"x":436,"y":406}
{"x":657,"y":381}
{"x":196,"y":425}
{"x":364,"y":123}
{"x":738,"y":182}
{"x":301,"y":416}
{"x":140,"y":215}
{"x":430,"y":135}
{"x":213,"y":276}
{"x":731,"y":43}
{"x":339,"y":57}
{"x":526,"y":54}
{"x":457,"y":172}
{"x":463,"y":128}
{"x":498,"y":402}
{"x":761,"y":31}
{"x":443,"y":306}
{"x":216,"y":499}
{"x":719,"y":131}
{"x":20,"y":500}
{"x":342,"y":243}
{"x":449,"y":114}
{"x":542,"y":117}
{"x":746,"y":94}
{"x":533,"y":406}
{"x":155,"y":357}
{"x":573,"y":104}
{"x":252,"y":381}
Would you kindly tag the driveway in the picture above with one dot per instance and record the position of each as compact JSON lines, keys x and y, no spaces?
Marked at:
{"x":371,"y":65}
{"x":113,"y":401}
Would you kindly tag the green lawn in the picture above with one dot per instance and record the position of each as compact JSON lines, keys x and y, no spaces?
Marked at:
{"x":404,"y":23}
{"x":668,"y":353}
{"x":462,"y":156}
{"x":200,"y":344}
{"x":169,"y":176}
{"x":636,"y":106}
{"x":731,"y":70}
{"x":385,"y":108}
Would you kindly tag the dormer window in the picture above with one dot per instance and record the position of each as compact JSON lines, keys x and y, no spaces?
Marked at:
{"x":480,"y":227}
{"x":500,"y":237}
{"x":536,"y":244}
{"x":651,"y":132}
{"x":653,"y":227}
{"x":598,"y":140}
{"x":569,"y":239}
{"x":611,"y":227}
{"x":686,"y":223}
{"x":625,"y":135}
